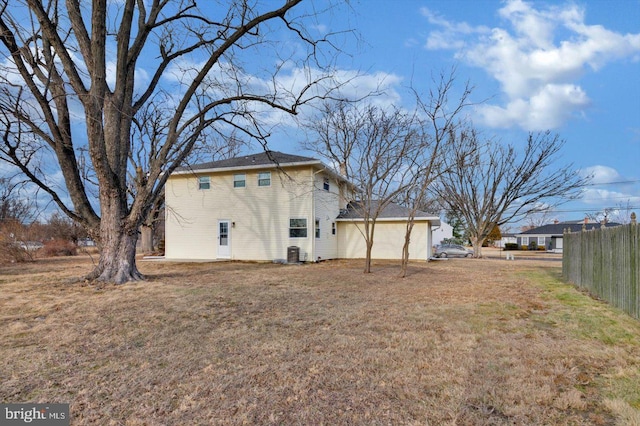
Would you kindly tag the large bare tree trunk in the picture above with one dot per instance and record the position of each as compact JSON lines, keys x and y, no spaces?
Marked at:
{"x":477,"y":242}
{"x":117,"y":242}
{"x":146,"y":239}
{"x":117,"y":261}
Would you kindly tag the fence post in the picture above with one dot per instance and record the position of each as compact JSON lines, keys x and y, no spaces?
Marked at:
{"x":634,"y":247}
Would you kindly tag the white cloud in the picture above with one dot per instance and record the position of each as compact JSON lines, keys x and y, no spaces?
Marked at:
{"x":549,"y":108}
{"x":602,"y":174}
{"x":600,"y":191}
{"x":607,"y":198}
{"x":448,"y":35}
{"x":537,"y":74}
{"x":321,"y":28}
{"x":287,"y":84}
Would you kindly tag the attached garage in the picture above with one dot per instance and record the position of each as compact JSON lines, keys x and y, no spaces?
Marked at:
{"x":389,"y":232}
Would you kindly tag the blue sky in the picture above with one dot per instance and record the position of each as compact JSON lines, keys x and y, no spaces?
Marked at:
{"x":570,"y":67}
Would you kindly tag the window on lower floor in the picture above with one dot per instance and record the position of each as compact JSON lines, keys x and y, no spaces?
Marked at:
{"x":333,"y":228}
{"x":541,"y":241}
{"x":297,"y":228}
{"x":317,"y":228}
{"x":204,"y":182}
{"x":525,"y":241}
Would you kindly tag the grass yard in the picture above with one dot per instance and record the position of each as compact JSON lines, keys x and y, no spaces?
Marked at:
{"x":459,"y":342}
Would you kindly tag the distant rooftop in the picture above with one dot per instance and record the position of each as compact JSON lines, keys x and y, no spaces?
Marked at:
{"x":571,"y":226}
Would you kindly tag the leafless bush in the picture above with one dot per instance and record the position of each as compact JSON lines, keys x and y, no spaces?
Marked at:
{"x":12,"y":253}
{"x":55,"y":248}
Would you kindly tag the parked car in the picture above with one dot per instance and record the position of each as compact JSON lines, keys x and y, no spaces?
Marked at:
{"x":452,"y":250}
{"x":30,"y":245}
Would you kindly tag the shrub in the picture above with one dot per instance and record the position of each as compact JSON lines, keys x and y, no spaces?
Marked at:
{"x":511,"y":246}
{"x":54,"y":248}
{"x":11,"y":252}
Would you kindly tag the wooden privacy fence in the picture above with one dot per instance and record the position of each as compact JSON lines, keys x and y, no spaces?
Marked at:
{"x":606,"y":262}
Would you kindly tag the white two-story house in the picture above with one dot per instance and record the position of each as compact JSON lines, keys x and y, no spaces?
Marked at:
{"x":259,"y":207}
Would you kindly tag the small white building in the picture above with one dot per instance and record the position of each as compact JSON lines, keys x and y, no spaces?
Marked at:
{"x":505,"y":239}
{"x":259,"y":207}
{"x":442,"y":232}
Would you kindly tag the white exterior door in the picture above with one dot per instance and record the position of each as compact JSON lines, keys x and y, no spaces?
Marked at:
{"x":224,"y":239}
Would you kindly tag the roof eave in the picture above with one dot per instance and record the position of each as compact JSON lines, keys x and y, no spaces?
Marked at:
{"x":435,"y":220}
{"x":251,"y":167}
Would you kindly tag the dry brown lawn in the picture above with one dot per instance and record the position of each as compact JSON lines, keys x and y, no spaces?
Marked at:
{"x":459,"y":342}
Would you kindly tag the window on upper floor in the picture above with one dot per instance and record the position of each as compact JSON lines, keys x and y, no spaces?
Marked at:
{"x":204,"y":182}
{"x":317,"y":228}
{"x":239,"y":180}
{"x":333,"y":228}
{"x":297,"y":228}
{"x":264,"y":179}
{"x":325,"y":185}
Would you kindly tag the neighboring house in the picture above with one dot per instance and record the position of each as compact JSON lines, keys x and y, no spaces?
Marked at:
{"x":506,"y":239}
{"x":441,"y":232}
{"x":257,"y":207}
{"x":550,"y":236}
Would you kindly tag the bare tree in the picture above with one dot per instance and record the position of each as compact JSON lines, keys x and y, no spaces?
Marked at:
{"x":15,"y":214}
{"x":538,"y":216}
{"x":495,"y":184}
{"x":13,"y":207}
{"x":76,"y":75}
{"x":621,"y":213}
{"x":373,"y":148}
{"x":440,"y":121}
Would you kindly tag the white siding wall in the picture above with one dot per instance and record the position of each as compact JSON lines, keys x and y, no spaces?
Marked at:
{"x":261,"y":215}
{"x":444,"y":230}
{"x":327,"y":207}
{"x":388,"y":240}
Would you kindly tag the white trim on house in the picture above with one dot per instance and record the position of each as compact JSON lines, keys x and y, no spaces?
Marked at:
{"x":435,"y":220}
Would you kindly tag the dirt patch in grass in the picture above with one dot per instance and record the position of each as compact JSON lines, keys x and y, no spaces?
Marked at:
{"x":465,"y":342}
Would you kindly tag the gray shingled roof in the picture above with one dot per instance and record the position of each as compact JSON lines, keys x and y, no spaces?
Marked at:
{"x":261,"y":158}
{"x":392,"y":210}
{"x":558,"y":228}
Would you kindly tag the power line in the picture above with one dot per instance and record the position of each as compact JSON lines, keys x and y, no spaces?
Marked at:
{"x":612,"y":183}
{"x":577,"y":210}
